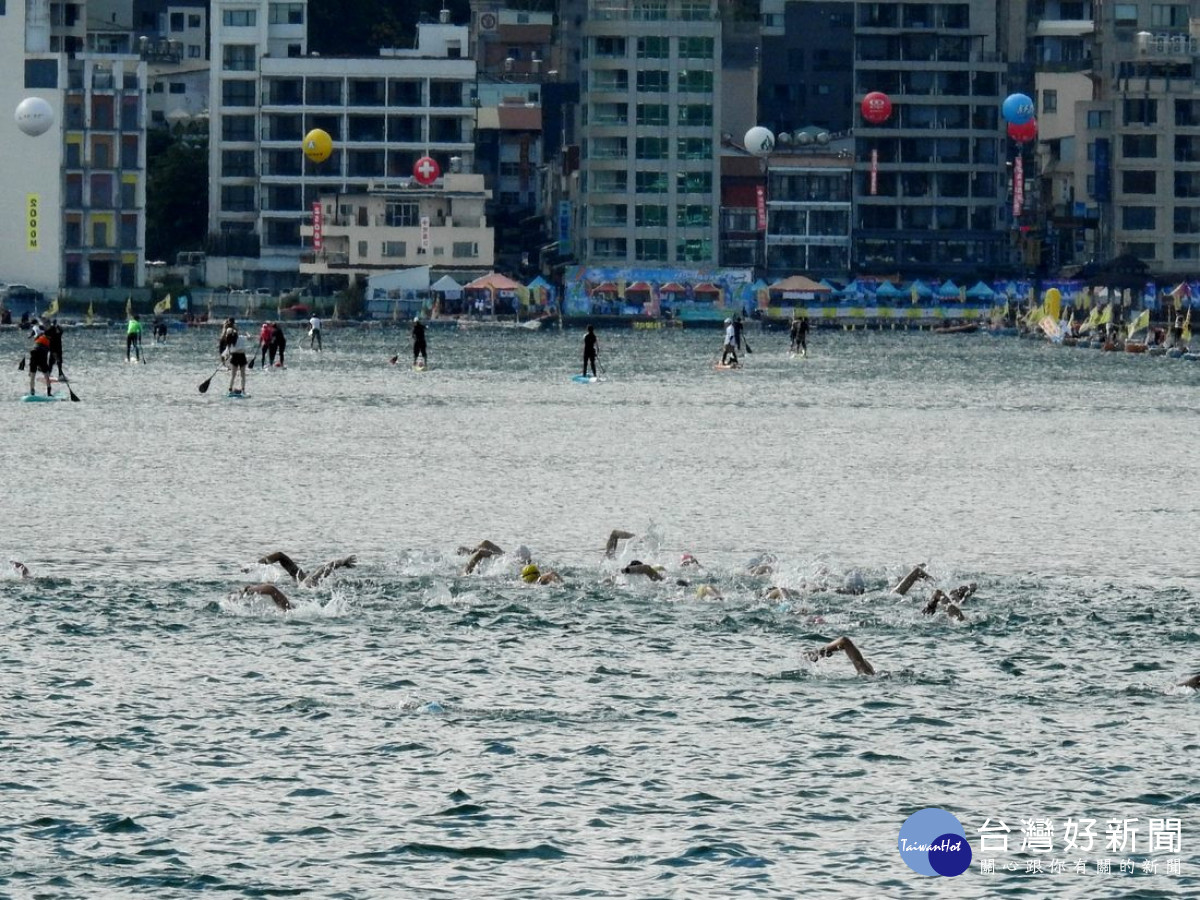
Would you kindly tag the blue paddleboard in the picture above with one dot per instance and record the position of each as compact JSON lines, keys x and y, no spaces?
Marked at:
{"x":232,"y":396}
{"x":587,"y":379}
{"x":42,"y":398}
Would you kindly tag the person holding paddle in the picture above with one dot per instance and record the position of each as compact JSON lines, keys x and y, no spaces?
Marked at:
{"x":418,"y":338}
{"x":729,"y":351}
{"x":39,"y":358}
{"x":589,"y":351}
{"x":133,"y":338}
{"x":235,"y":351}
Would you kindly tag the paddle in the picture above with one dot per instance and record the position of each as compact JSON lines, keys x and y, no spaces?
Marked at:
{"x":21,"y":365}
{"x":74,"y":399}
{"x":207,"y":381}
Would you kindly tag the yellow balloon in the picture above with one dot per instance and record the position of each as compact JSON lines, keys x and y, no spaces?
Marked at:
{"x":318,"y":145}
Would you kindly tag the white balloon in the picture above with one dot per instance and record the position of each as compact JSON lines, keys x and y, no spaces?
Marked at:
{"x":34,"y":116}
{"x":759,"y":141}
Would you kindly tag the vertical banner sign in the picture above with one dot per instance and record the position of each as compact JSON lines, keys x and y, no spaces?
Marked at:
{"x":874,"y":171}
{"x":564,"y":227}
{"x":32,"y":203}
{"x":318,"y":239}
{"x":761,"y":206}
{"x":424,"y":234}
{"x":1102,"y":171}
{"x":1018,"y":185}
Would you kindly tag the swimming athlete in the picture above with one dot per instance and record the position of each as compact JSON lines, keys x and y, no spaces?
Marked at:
{"x":235,"y":353}
{"x":133,"y":338}
{"x":531,"y":574}
{"x":917,"y":574}
{"x":1193,"y":682}
{"x":637,"y":567}
{"x":861,"y":666}
{"x":39,"y":358}
{"x":486,"y":550}
{"x":729,"y":351}
{"x":589,"y":352}
{"x":308,"y":579}
{"x":267,"y":590}
{"x":21,"y":569}
{"x":614,"y":539}
{"x":418,"y":339}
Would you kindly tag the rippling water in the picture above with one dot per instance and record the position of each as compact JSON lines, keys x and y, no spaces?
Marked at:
{"x":411,"y":732}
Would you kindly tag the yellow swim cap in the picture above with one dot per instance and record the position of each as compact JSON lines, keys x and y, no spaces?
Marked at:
{"x":530,"y":573}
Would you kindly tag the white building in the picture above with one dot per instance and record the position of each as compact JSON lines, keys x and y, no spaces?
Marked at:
{"x":266,"y":93}
{"x":77,"y":193}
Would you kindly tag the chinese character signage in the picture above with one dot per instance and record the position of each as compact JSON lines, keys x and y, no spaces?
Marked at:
{"x":564,"y":227}
{"x":424,"y":234}
{"x":760,"y":193}
{"x":317,"y":227}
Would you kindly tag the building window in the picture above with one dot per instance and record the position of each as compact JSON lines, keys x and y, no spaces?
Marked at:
{"x":653,"y":148}
{"x":237,"y":198}
{"x":237,"y":163}
{"x":465,"y":249}
{"x":691,"y":82}
{"x":650,"y":217}
{"x":193,"y":51}
{"x":1139,"y":111}
{"x":653,"y":114}
{"x":286,"y":14}
{"x":696,"y":114}
{"x":651,"y":81}
{"x":693,"y":182}
{"x":1098,"y":119}
{"x":41,"y":73}
{"x":1125,"y":14}
{"x":394,"y":249}
{"x":647,"y":249}
{"x":606,"y":47}
{"x":694,"y":215}
{"x":608,"y":248}
{"x":1137,"y":146}
{"x":1137,"y":218}
{"x":694,"y":148}
{"x":239,"y":18}
{"x":177,"y":20}
{"x":402,"y":215}
{"x":238,"y":57}
{"x":1141,"y":251}
{"x":194,"y":21}
{"x":693,"y":250}
{"x":650,"y":11}
{"x":694,"y":10}
{"x":237,"y":128}
{"x":653,"y":48}
{"x":1049,"y":101}
{"x":651,"y":182}
{"x":695,"y":48}
{"x":233,"y":93}
{"x":1169,"y":15}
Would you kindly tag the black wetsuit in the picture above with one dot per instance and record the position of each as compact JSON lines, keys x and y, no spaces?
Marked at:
{"x":55,"y":333}
{"x":278,"y":345}
{"x":737,"y":333}
{"x":589,"y":352}
{"x":418,"y":336}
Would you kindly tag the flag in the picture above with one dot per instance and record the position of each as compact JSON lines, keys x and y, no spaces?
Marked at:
{"x":1181,"y":291}
{"x":1105,"y":318}
{"x":1093,"y":320}
{"x":1186,"y":332}
{"x":163,"y":305}
{"x":52,"y":309}
{"x":91,"y":313}
{"x":1140,"y":321}
{"x":128,"y":307}
{"x":1034,"y":316}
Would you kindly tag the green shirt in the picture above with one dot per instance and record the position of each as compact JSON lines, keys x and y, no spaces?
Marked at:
{"x":134,"y":327}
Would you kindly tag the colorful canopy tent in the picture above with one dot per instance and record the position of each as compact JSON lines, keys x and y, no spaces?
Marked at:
{"x":888,"y":292}
{"x":447,"y":287}
{"x":981,"y":292}
{"x":920,"y":290}
{"x":800,"y":287}
{"x":948,"y":290}
{"x":493,"y":287}
{"x":541,"y":292}
{"x":853,"y":292}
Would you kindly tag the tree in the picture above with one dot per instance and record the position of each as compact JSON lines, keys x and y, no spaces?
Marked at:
{"x":176,"y":190}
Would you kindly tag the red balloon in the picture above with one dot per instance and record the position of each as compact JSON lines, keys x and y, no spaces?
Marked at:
{"x":1026,"y":131}
{"x":876,"y":108}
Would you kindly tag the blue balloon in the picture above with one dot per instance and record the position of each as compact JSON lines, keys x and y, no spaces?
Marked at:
{"x":1017,"y":109}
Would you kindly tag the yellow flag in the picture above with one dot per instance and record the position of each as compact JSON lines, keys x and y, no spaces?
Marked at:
{"x":1186,"y":332}
{"x":128,"y":307}
{"x":163,"y":305}
{"x":52,"y":309}
{"x":1140,"y":321}
{"x":1034,"y":316}
{"x":1106,"y":316}
{"x":91,"y":313}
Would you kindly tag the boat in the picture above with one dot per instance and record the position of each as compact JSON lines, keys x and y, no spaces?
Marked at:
{"x":1133,"y":347}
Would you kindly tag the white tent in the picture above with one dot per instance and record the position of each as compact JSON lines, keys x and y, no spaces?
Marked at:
{"x":447,"y":287}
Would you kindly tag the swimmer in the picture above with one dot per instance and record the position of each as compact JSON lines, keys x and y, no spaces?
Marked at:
{"x":861,"y":666}
{"x":854,"y":585}
{"x":688,"y":560}
{"x":1193,"y":682}
{"x":21,"y":569}
{"x":614,"y":539}
{"x":708,"y":592}
{"x":531,"y":574}
{"x":268,"y":590}
{"x":941,"y":597}
{"x":917,"y":574}
{"x":775,"y":592}
{"x":484,"y":550}
{"x":761,"y":565}
{"x":637,"y":567}
{"x":308,"y":579}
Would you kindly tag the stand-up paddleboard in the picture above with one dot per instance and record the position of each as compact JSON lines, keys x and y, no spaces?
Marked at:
{"x":238,"y":396}
{"x":587,"y":379}
{"x":725,"y":367}
{"x":420,"y":368}
{"x":42,"y":398}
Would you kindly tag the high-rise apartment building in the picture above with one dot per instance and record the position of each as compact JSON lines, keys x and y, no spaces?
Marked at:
{"x":649,"y":127}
